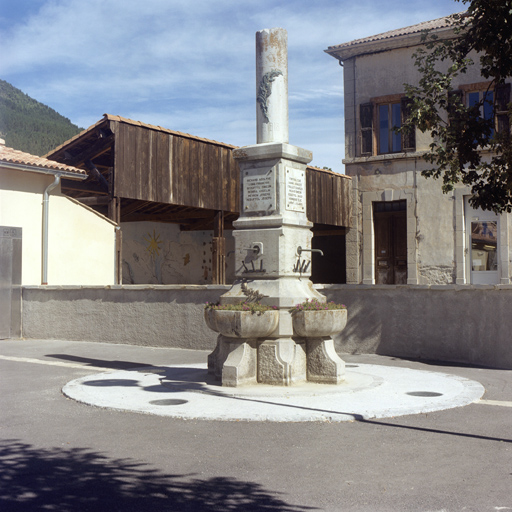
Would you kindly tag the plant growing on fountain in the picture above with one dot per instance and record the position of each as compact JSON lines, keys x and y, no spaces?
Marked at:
{"x":314,"y":319}
{"x":242,"y":320}
{"x":316,"y":305}
{"x":252,"y":307}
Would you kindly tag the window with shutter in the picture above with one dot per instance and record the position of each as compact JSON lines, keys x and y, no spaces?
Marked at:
{"x":454,"y":99}
{"x":485,"y":99}
{"x":501,"y":101}
{"x":492,"y":104}
{"x":408,"y":138}
{"x":389,"y":119}
{"x":380,"y":120}
{"x":366,"y":120}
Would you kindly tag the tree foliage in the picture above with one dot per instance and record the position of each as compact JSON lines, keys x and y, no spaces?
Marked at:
{"x":30,"y":126}
{"x":467,"y":148}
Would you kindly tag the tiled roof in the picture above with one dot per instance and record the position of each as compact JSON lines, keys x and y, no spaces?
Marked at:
{"x":436,"y":25}
{"x":13,"y":156}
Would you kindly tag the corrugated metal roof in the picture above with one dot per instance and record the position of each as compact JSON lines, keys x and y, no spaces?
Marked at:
{"x":14,"y":156}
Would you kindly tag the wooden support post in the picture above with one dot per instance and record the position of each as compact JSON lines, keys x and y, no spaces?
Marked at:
{"x":218,"y":250}
{"x":114,"y":213}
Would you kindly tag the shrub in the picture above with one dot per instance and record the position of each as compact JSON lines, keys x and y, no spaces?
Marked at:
{"x":253,"y":307}
{"x":315,"y":305}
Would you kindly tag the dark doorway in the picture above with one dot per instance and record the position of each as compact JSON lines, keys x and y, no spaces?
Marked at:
{"x":331,"y":267}
{"x":390,"y":226}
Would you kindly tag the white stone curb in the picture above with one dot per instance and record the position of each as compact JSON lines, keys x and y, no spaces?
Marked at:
{"x":370,"y":391}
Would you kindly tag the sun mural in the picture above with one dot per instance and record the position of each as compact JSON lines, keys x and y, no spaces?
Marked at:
{"x":154,"y":244}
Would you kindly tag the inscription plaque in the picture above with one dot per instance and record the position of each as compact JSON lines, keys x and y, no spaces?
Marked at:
{"x":295,"y":190}
{"x":259,"y":187}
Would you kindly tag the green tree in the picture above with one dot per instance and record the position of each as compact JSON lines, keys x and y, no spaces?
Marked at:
{"x":481,"y":35}
{"x":30,"y":126}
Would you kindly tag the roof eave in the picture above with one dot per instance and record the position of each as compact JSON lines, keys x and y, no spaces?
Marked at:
{"x":403,"y":41}
{"x":42,"y":170}
{"x":74,"y":139}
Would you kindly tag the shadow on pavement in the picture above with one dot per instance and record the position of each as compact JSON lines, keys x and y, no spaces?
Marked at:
{"x":176,"y":379}
{"x":80,"y":479}
{"x":101,"y":363}
{"x":173,"y":380}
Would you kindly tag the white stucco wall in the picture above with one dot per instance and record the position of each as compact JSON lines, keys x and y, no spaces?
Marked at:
{"x":159,"y":253}
{"x":81,"y":243}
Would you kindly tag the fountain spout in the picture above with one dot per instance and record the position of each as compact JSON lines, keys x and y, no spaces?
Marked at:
{"x":300,"y":250}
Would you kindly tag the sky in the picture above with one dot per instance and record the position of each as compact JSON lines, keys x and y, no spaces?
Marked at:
{"x":189,"y":65}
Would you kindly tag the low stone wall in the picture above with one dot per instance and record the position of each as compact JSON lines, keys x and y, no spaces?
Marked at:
{"x":156,"y":316}
{"x":468,"y":324}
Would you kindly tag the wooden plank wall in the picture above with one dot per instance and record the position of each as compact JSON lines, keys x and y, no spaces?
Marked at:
{"x":328,"y":198}
{"x":168,"y":168}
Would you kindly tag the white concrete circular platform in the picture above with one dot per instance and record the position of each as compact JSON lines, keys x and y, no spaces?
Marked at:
{"x":187,"y":391}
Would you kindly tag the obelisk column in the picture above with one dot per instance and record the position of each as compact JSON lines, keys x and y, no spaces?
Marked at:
{"x":272,"y":85}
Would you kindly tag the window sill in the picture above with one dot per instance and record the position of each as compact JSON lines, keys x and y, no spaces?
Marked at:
{"x":387,"y":157}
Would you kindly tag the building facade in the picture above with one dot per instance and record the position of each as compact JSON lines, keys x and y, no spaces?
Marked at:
{"x":63,"y":242}
{"x":404,"y":229}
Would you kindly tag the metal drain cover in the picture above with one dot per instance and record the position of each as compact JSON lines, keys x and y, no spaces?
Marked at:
{"x":168,"y":401}
{"x":424,"y":393}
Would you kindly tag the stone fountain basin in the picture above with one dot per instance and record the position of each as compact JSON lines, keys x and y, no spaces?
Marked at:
{"x":319,"y":323}
{"x":242,"y":324}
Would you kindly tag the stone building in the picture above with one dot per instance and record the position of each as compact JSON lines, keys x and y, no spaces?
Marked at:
{"x":405,"y":230}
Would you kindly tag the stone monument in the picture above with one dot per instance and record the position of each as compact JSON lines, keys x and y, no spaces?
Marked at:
{"x":273,"y":250}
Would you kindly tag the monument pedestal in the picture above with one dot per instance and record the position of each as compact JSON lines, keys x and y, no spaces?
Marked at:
{"x":273,"y":258}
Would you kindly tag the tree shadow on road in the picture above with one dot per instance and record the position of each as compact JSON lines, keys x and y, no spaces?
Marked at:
{"x":82,"y":480}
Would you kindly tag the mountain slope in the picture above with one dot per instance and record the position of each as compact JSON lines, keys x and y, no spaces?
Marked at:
{"x":30,"y":126}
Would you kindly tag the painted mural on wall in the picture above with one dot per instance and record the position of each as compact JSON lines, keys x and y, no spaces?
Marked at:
{"x":157,"y":253}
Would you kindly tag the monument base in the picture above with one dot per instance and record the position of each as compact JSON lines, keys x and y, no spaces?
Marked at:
{"x":278,"y":361}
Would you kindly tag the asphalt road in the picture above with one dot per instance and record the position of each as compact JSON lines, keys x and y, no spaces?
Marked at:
{"x":58,"y":454}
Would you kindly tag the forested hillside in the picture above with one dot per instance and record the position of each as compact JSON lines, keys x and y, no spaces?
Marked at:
{"x":30,"y":126}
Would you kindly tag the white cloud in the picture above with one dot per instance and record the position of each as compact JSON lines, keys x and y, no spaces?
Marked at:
{"x":189,"y":64}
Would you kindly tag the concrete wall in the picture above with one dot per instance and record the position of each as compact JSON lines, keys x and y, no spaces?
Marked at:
{"x":81,"y":243}
{"x":156,"y":316}
{"x":469,"y":324}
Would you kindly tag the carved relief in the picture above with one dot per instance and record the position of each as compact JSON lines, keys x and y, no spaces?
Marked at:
{"x":265,"y":89}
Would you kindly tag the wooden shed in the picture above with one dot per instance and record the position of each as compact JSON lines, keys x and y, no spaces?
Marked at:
{"x":141,"y":172}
